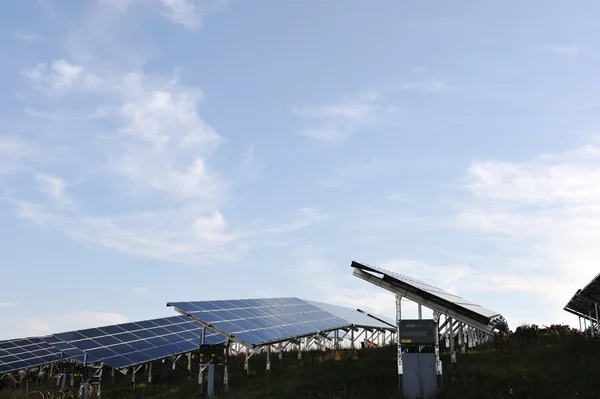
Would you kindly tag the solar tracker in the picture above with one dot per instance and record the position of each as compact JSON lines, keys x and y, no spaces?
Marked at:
{"x":258,"y":322}
{"x":432,"y":297}
{"x":25,"y":353}
{"x":129,"y":344}
{"x":586,"y":301}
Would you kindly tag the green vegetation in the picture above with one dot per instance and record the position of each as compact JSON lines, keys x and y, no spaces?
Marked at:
{"x":532,"y":363}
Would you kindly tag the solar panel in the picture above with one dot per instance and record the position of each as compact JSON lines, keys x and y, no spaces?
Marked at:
{"x":584,"y":302}
{"x":129,"y":344}
{"x":433,"y":297}
{"x":267,"y":320}
{"x":26,"y":353}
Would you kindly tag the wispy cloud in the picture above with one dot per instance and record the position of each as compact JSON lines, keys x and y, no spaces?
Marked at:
{"x":432,"y":86}
{"x":8,"y":304}
{"x":54,"y":188}
{"x":337,"y":121}
{"x":569,"y":50}
{"x":183,"y":12}
{"x":159,"y":153}
{"x":141,"y":291}
{"x":25,"y":36}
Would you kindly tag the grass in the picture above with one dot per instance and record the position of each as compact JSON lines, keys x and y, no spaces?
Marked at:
{"x":540,"y":367}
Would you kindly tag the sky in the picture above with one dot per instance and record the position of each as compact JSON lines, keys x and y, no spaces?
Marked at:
{"x":175,"y":150}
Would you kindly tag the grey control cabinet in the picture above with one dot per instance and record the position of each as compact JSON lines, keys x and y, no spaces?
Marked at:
{"x":421,"y":367}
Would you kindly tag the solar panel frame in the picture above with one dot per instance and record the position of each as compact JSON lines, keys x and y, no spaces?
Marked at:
{"x":585,"y":301}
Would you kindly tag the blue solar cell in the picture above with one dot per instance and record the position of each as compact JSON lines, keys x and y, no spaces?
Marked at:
{"x":228,"y":326}
{"x":189,"y":335}
{"x":186,"y":306}
{"x":108,"y":330}
{"x":175,"y":328}
{"x":265,"y":335}
{"x":158,"y":341}
{"x":145,"y":334}
{"x":247,"y":324}
{"x":50,"y":358}
{"x":147,"y":324}
{"x":206,"y":317}
{"x":91,"y":333}
{"x":159,"y":331}
{"x":160,"y":352}
{"x":6,"y":344}
{"x":122,"y":349}
{"x":9,"y":359}
{"x":126,"y":337}
{"x":107,"y":340}
{"x":129,"y":327}
{"x":169,"y":320}
{"x":70,"y":336}
{"x":189,"y":346}
{"x":141,"y":345}
{"x":86,"y":344}
{"x":100,"y":353}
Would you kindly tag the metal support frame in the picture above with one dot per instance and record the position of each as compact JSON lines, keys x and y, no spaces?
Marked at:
{"x":398,"y":341}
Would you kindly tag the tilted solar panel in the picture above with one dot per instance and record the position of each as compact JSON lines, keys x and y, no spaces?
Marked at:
{"x":584,"y":302}
{"x":129,"y":344}
{"x":471,"y":313}
{"x":262,"y":321}
{"x":26,"y":353}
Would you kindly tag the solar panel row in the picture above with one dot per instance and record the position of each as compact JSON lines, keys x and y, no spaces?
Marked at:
{"x":267,"y":320}
{"x":26,"y":353}
{"x":128,"y":344}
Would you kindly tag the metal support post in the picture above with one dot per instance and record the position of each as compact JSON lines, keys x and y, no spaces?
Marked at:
{"x":280,"y":351}
{"x":150,"y":373}
{"x":299,"y":349}
{"x":461,"y":332}
{"x":399,"y":343}
{"x":189,"y":357}
{"x":452,"y":354}
{"x":268,"y":357}
{"x":438,"y":362}
{"x":225,"y":369}
{"x":352,"y":337}
{"x":133,"y":378}
{"x":420,"y":310}
{"x":246,"y":364}
{"x":211,"y":380}
{"x":597,"y":322}
{"x":580,"y":329}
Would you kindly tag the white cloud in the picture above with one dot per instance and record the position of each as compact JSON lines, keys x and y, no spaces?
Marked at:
{"x":548,"y":207}
{"x":54,"y":188}
{"x":8,"y":304}
{"x":24,"y":36}
{"x":569,"y":50}
{"x":336,"y":122}
{"x":61,"y":76}
{"x":183,"y":12}
{"x":14,"y":152}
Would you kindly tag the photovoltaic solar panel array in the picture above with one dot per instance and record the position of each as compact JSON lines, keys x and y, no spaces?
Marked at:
{"x":26,"y":353}
{"x":253,"y":321}
{"x":267,"y":320}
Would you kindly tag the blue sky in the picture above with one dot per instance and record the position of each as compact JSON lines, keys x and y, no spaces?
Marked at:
{"x":168,"y":150}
